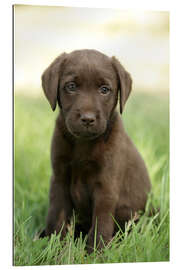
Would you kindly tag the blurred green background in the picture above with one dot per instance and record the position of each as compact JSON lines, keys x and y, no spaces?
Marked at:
{"x":140,"y":39}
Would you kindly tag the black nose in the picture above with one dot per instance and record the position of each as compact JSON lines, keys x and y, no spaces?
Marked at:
{"x":88,"y":119}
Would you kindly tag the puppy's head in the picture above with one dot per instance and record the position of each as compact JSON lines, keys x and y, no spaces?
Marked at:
{"x":86,"y":83}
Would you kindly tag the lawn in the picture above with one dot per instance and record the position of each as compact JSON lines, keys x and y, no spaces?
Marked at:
{"x":146,"y":119}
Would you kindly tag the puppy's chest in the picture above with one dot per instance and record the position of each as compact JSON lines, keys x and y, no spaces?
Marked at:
{"x":85,"y":166}
{"x":82,"y":183}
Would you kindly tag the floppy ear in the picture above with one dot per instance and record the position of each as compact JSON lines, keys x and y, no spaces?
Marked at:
{"x":125,"y":82}
{"x":50,"y":80}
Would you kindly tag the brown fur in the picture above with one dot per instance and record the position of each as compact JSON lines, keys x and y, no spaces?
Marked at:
{"x":96,"y":168}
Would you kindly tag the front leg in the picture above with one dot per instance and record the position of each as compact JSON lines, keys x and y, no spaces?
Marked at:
{"x":104,"y":205}
{"x":60,"y":208}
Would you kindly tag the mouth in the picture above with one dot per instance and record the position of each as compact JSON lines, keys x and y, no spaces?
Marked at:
{"x":85,"y":135}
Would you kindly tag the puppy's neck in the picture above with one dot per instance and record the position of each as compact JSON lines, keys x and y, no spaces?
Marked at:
{"x":110,"y":125}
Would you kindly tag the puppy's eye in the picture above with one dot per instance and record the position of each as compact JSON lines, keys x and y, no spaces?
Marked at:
{"x":70,"y":87}
{"x":104,"y":90}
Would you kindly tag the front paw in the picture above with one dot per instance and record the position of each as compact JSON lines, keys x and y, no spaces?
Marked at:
{"x":95,"y":241}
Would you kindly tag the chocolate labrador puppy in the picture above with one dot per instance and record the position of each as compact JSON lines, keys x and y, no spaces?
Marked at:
{"x":96,"y":169}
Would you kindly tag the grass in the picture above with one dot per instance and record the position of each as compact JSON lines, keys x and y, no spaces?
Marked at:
{"x":146,"y":119}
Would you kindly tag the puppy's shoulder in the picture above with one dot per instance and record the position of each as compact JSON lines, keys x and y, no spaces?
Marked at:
{"x":60,"y":145}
